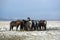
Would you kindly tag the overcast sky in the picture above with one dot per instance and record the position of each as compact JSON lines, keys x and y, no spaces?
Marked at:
{"x":36,"y":9}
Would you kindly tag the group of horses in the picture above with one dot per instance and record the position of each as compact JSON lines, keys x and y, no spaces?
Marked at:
{"x":28,"y":25}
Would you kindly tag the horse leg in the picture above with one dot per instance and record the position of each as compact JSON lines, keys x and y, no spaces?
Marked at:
{"x":28,"y":28}
{"x":16,"y":28}
{"x":31,"y":28}
{"x":45,"y":27}
{"x":40,"y":27}
{"x":34,"y":27}
{"x":25,"y":28}
{"x":10,"y":28}
{"x":21,"y":27}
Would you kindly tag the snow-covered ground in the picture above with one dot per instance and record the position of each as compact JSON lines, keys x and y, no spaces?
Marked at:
{"x":30,"y":35}
{"x":52,"y":32}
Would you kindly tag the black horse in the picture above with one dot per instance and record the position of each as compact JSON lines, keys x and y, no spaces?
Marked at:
{"x":34,"y":25}
{"x":23,"y":25}
{"x":42,"y":24}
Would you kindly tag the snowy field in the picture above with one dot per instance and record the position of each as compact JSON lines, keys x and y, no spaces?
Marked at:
{"x":52,"y":32}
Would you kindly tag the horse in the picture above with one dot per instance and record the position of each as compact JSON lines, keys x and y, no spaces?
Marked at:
{"x":42,"y":24}
{"x":34,"y":25}
{"x":27,"y":24}
{"x":15,"y":24}
{"x":37,"y":24}
{"x":23,"y":25}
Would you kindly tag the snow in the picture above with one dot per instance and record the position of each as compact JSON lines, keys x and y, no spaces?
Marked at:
{"x":30,"y":35}
{"x":52,"y":32}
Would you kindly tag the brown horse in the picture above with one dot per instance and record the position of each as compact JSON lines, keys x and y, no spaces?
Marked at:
{"x":15,"y":24}
{"x":42,"y":24}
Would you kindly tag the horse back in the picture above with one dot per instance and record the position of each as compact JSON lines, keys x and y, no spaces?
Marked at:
{"x":42,"y":22}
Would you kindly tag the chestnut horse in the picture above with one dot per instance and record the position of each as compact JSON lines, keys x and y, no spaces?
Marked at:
{"x":42,"y":24}
{"x":15,"y":24}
